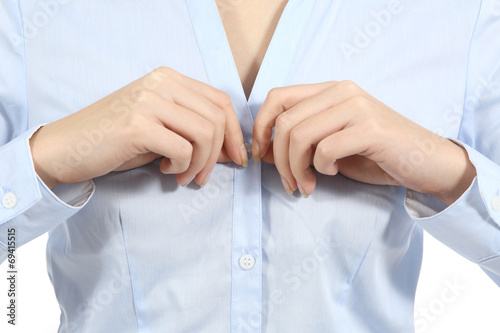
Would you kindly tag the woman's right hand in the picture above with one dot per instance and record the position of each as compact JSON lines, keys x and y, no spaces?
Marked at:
{"x":163,"y":114}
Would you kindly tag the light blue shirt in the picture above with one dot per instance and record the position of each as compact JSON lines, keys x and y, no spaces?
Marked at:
{"x":134,"y":252}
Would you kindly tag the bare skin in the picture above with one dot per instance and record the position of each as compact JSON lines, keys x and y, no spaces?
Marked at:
{"x":296,"y":112}
{"x":339,"y":128}
{"x":163,"y":114}
{"x":334,"y":126}
{"x":249,"y":25}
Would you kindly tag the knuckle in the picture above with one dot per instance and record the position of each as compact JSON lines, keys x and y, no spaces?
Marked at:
{"x":132,"y":122}
{"x":147,"y":103}
{"x":183,"y":167}
{"x":360,"y":103}
{"x":137,"y":121}
{"x":372,"y":127}
{"x":348,"y":86}
{"x":159,"y":77}
{"x":185,"y":151}
{"x":163,"y":70}
{"x":323,"y":152}
{"x":207,"y":132}
{"x":283,"y":122}
{"x":274,"y":94}
{"x":298,"y":135}
{"x":219,"y":117}
{"x":144,"y":94}
{"x":223,"y":100}
{"x":321,"y":167}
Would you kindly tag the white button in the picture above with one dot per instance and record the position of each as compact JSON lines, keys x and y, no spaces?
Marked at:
{"x":495,"y":203}
{"x":247,"y":262}
{"x":248,"y":146}
{"x":9,"y":200}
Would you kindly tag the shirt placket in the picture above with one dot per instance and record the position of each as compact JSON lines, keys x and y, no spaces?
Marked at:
{"x":246,"y":247}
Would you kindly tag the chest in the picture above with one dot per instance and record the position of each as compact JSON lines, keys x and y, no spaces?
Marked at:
{"x":249,"y":26}
{"x":410,"y":55}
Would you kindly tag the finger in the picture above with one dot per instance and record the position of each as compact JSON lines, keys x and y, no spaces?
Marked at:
{"x":196,"y":129}
{"x":233,"y":136}
{"x":224,"y":157}
{"x":199,"y":104}
{"x":364,"y":170}
{"x":338,"y":94}
{"x":285,"y":121}
{"x":138,"y":161}
{"x":269,"y":157}
{"x":176,"y":150}
{"x":278,"y":101}
{"x":288,"y":120}
{"x":305,"y":136}
{"x":206,"y":109}
{"x":348,"y":142}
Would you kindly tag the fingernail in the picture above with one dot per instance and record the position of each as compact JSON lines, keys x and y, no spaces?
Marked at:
{"x":302,"y":191}
{"x":244,"y":156}
{"x":256,"y":152}
{"x":189,"y":181}
{"x":205,"y":181}
{"x":286,"y":185}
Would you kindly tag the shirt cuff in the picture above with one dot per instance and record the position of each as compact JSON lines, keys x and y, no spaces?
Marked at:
{"x":26,"y":203}
{"x":471,"y":225}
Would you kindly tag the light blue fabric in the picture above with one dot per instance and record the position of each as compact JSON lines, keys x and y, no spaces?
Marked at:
{"x":138,"y":253}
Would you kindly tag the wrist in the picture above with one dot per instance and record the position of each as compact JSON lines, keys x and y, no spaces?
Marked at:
{"x":460,"y":174}
{"x":38,"y":158}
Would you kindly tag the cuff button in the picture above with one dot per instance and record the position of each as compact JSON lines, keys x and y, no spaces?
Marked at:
{"x":9,"y":200}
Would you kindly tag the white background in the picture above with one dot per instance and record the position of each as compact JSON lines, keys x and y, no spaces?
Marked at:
{"x":473,"y":307}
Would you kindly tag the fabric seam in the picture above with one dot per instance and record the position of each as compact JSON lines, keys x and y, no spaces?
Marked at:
{"x":24,"y":65}
{"x":464,"y":110}
{"x":129,"y":270}
{"x":299,"y":42}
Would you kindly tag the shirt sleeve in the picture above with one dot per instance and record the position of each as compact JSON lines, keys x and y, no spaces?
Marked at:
{"x":471,"y":225}
{"x":26,"y":203}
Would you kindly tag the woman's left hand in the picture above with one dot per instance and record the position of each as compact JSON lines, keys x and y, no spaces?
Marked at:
{"x":339,"y":128}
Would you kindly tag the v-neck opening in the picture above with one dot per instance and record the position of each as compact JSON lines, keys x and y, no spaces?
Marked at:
{"x":273,"y":37}
{"x":250,"y":65}
{"x":219,"y":60}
